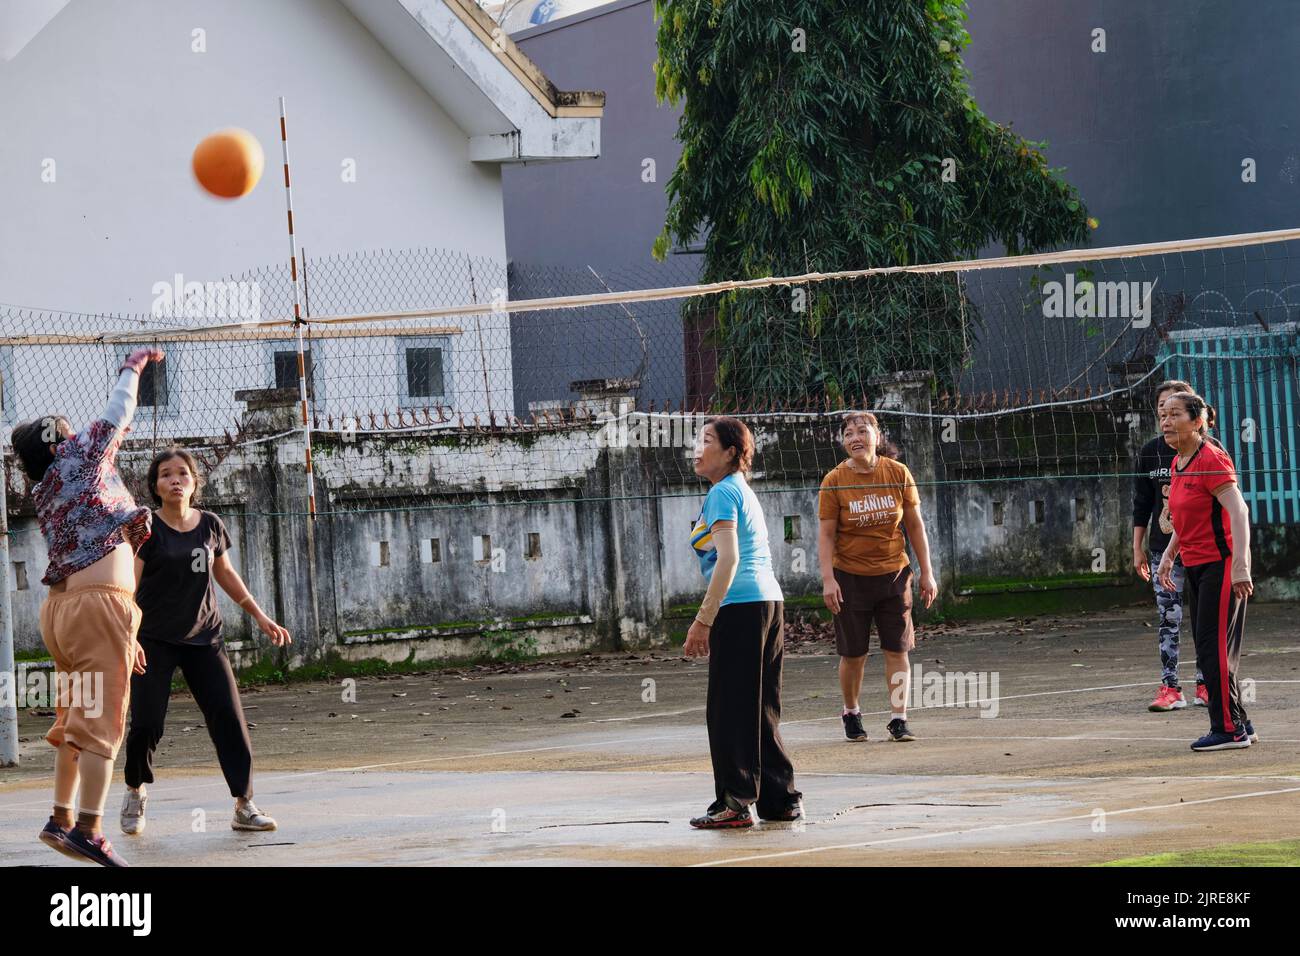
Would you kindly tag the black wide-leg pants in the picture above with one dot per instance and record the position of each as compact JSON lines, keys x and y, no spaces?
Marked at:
{"x":750,"y":762}
{"x":212,"y":681}
{"x":1218,"y":624}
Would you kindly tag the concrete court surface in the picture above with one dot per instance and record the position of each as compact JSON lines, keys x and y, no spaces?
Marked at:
{"x":481,"y":765}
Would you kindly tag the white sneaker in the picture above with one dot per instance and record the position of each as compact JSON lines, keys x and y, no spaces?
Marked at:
{"x":248,"y":817}
{"x":133,"y":811}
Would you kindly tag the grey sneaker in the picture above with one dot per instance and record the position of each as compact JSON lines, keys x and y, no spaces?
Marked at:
{"x":133,"y":811}
{"x":248,"y":817}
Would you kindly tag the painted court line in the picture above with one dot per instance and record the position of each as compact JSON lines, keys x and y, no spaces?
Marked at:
{"x":668,"y":713}
{"x":991,"y":828}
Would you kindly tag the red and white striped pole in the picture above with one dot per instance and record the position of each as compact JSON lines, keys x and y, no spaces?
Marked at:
{"x":297,"y":318}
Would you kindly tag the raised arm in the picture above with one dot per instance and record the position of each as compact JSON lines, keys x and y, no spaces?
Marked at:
{"x":100,"y":440}
{"x":122,"y":400}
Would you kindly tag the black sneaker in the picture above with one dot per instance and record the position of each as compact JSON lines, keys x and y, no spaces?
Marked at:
{"x":1223,"y":741}
{"x":96,"y":849}
{"x":790,"y":814}
{"x":853,"y":728}
{"x":898,"y":731}
{"x":720,"y":816}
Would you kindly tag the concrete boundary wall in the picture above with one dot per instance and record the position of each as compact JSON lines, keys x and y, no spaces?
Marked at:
{"x":402,"y":570}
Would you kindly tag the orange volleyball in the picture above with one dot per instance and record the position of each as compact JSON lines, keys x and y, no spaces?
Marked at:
{"x":229,"y":163}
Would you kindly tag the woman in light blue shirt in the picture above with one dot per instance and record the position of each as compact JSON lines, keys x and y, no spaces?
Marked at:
{"x":740,"y":626}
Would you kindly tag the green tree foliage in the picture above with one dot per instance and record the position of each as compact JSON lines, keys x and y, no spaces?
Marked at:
{"x":833,"y":157}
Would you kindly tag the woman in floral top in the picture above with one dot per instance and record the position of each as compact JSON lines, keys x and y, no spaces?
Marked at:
{"x":92,"y":529}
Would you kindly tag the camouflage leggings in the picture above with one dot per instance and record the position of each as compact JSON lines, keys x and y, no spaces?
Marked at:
{"x":1169,"y":604}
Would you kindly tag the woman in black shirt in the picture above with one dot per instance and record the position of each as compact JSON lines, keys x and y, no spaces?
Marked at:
{"x":181,"y":627}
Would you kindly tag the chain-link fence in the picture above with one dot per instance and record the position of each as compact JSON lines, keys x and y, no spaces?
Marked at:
{"x":426,"y":338}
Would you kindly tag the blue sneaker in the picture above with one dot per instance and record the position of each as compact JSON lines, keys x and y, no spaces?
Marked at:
{"x":1250,"y":732}
{"x":1223,"y":741}
{"x":56,"y":838}
{"x":95,"y":849}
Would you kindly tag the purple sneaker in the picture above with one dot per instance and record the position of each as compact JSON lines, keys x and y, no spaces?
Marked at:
{"x":96,"y":849}
{"x":56,"y":838}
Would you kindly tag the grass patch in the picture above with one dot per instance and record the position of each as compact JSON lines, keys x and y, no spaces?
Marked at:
{"x":334,"y":667}
{"x":1052,"y":582}
{"x":994,"y":605}
{"x":482,"y":623}
{"x":1280,"y":853}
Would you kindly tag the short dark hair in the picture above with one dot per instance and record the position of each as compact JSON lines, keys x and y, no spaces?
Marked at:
{"x":733,"y":433}
{"x":31,"y":441}
{"x":166,"y":455}
{"x":1173,"y":385}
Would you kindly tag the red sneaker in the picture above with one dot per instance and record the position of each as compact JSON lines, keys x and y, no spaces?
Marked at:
{"x":1169,"y":698}
{"x":1202,"y":696}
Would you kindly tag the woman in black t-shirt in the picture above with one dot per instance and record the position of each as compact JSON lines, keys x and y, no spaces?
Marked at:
{"x":176,"y":570}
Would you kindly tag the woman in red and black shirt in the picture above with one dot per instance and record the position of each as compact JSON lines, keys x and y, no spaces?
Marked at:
{"x":1212,"y":533}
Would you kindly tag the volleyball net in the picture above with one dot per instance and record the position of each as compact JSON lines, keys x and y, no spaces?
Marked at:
{"x":439,"y":380}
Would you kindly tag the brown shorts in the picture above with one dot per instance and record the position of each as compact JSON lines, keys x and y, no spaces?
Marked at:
{"x":90,"y":632}
{"x":883,"y":598}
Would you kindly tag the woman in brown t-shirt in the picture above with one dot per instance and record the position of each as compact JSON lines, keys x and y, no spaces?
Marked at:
{"x":864,"y":505}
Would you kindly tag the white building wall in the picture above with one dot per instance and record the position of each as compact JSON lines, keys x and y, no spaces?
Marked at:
{"x":353,"y":377}
{"x":110,"y":98}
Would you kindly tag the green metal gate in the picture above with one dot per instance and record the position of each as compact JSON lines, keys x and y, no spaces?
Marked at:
{"x":1250,"y":377}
